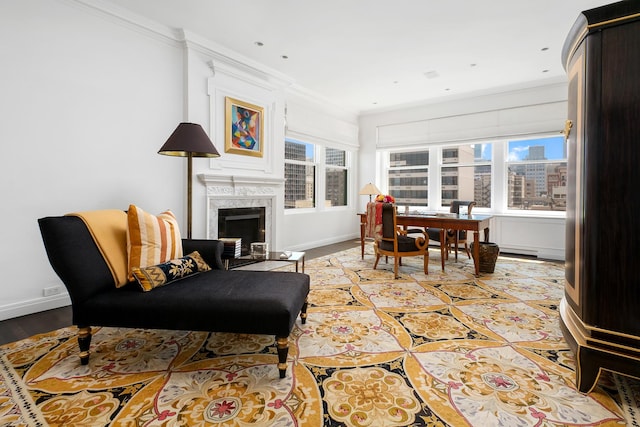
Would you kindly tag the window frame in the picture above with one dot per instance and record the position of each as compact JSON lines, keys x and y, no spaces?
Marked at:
{"x":508,"y":163}
{"x":346,"y":168}
{"x":466,"y":164}
{"x":306,"y":163}
{"x":389,"y":168}
{"x":320,"y":170}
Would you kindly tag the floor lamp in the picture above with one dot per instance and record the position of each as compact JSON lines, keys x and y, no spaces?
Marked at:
{"x":189,"y":140}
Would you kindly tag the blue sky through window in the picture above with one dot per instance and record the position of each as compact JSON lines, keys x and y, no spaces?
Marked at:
{"x":553,"y":148}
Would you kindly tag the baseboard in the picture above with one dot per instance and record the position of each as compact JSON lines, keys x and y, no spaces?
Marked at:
{"x":23,"y":308}
{"x":542,"y":253}
{"x":554,"y":254}
{"x":318,"y":243}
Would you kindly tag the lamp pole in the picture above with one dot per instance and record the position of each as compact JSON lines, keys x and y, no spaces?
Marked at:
{"x":189,"y":188}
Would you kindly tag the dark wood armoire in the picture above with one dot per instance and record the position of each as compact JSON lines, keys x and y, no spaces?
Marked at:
{"x":600,"y":311}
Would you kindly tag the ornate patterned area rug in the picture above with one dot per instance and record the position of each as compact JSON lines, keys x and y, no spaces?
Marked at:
{"x":444,"y":349}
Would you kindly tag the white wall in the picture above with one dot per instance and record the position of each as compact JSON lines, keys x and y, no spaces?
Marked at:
{"x":86,"y":104}
{"x":87,"y":100}
{"x":310,"y":121}
{"x":511,"y":113}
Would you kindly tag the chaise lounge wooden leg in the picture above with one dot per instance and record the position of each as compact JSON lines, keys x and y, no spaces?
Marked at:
{"x":84,"y":342}
{"x":283,"y":351}
{"x":303,"y":312}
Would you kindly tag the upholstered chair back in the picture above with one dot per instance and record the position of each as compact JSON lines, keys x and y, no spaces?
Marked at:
{"x":388,"y":227}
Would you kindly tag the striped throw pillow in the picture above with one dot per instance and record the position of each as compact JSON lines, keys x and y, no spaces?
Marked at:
{"x":151,"y":239}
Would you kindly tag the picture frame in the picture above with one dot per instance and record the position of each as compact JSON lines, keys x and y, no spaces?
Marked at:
{"x":244,"y":128}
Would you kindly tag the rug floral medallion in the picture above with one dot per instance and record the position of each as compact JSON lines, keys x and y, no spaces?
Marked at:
{"x":443,"y":349}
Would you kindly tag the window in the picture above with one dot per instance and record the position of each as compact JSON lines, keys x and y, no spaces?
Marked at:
{"x":500,"y":175}
{"x":336,"y":177}
{"x":465,"y":174}
{"x":300,"y":174}
{"x":409,"y":177}
{"x":537,"y":174}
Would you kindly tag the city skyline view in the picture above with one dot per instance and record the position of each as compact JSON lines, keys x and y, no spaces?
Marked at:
{"x":553,"y":148}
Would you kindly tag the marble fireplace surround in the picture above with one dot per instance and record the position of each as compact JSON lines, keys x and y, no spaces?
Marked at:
{"x":226,"y":192}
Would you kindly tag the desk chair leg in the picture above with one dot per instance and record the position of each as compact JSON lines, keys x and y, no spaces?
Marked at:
{"x":396,"y":261}
{"x":426,"y":262}
{"x":455,"y":240}
{"x":443,"y":247}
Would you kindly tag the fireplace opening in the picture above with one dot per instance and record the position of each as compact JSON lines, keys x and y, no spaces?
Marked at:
{"x":246,"y":223}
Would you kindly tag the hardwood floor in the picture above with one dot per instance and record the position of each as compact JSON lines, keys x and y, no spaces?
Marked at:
{"x":25,"y":326}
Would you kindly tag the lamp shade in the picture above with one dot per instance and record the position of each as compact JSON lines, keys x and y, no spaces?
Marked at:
{"x":189,"y":139}
{"x":369,"y":189}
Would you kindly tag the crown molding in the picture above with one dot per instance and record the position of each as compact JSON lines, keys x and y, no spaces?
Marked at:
{"x":128,"y":19}
{"x":313,"y":99}
{"x":230,"y":62}
{"x":221,"y":58}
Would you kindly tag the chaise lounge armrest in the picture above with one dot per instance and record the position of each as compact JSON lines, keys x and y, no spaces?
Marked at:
{"x":210,"y":250}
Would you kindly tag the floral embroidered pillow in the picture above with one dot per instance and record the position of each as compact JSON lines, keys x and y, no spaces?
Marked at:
{"x":155,"y":276}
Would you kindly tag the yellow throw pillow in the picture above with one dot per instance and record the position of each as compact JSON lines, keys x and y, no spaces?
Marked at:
{"x":151,"y":239}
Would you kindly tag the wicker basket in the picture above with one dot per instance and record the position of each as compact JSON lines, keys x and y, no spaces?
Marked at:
{"x":488,"y":255}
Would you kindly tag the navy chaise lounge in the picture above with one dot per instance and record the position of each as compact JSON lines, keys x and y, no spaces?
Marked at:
{"x":218,"y":300}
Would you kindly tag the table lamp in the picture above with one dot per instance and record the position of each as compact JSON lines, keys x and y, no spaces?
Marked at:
{"x":369,"y":189}
{"x":189,"y":140}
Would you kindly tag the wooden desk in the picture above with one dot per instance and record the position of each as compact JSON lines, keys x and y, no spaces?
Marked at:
{"x":473,"y":223}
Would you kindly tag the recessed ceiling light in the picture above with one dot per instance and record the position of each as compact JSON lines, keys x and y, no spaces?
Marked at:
{"x":258,"y":43}
{"x":395,"y":82}
{"x":284,"y":57}
{"x":544,"y":48}
{"x":473,"y":65}
{"x":432,"y":74}
{"x":375,"y":102}
{"x":545,"y":71}
{"x":447,"y":89}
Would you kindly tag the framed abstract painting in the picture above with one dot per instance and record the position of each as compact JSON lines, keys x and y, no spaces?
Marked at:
{"x":244,"y":128}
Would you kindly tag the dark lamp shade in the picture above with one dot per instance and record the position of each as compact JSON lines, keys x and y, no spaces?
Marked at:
{"x":189,"y":138}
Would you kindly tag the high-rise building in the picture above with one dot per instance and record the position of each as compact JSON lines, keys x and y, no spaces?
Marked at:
{"x":410,"y":183}
{"x":299,"y":178}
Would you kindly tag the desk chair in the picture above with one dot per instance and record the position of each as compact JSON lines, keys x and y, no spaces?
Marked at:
{"x":450,"y":236}
{"x":395,"y":242}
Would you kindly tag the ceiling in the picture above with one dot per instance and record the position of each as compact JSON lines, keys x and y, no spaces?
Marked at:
{"x":369,"y":55}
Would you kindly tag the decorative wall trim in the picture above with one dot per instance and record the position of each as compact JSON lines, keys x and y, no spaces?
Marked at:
{"x":240,"y":186}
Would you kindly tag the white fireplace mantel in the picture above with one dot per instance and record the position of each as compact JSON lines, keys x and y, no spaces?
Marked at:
{"x":225,"y":191}
{"x":238,"y":186}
